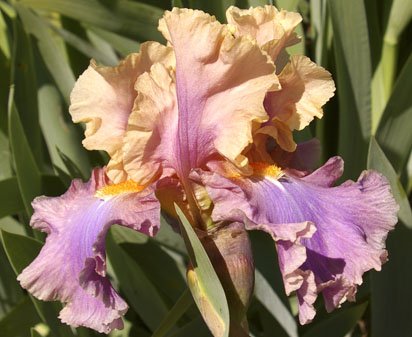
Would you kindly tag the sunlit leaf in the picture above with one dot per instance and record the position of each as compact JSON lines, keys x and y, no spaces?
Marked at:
{"x":352,"y":55}
{"x":204,"y":283}
{"x":120,"y":43}
{"x":128,"y":18}
{"x":53,"y":56}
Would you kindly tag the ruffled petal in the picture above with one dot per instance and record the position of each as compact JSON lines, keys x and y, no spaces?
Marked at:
{"x":220,"y":84}
{"x":150,"y":142}
{"x":103,"y":98}
{"x":71,"y":266}
{"x":306,"y":87}
{"x":273,"y":29}
{"x":352,"y":222}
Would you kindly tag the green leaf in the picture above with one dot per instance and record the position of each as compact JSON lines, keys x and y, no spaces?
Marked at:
{"x":10,"y":200}
{"x":52,"y":54}
{"x":391,"y":288}
{"x":271,"y":301}
{"x":394,"y":132}
{"x":352,"y":55}
{"x":86,"y":48}
{"x":169,"y":265}
{"x":11,"y":225}
{"x":27,"y":172}
{"x":141,"y":294}
{"x":341,"y":322}
{"x":61,"y":136}
{"x":4,"y":37}
{"x":169,"y":238}
{"x":10,"y":291}
{"x":23,"y":77}
{"x":132,"y":19}
{"x":5,"y":162}
{"x":207,"y":290}
{"x":21,"y":251}
{"x":400,"y":16}
{"x":378,"y":161}
{"x":196,"y":328}
{"x":127,"y":235}
{"x":19,"y":320}
{"x":175,"y":313}
{"x":120,"y":43}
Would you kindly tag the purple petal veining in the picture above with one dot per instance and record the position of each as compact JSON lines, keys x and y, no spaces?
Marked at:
{"x":71,"y":266}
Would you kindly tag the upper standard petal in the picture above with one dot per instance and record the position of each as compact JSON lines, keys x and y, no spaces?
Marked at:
{"x":306,"y":87}
{"x":103,"y":98}
{"x":220,"y":83}
{"x":272,"y":29}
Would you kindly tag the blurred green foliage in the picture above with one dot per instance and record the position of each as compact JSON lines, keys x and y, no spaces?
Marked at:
{"x":46,"y":44}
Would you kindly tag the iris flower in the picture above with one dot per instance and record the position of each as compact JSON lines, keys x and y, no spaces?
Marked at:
{"x":207,"y":122}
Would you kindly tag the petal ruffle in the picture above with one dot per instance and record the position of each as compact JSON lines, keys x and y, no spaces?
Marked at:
{"x":306,"y":87}
{"x":220,"y":81}
{"x":103,"y":98}
{"x":352,"y":222}
{"x":272,"y":29}
{"x":71,"y":266}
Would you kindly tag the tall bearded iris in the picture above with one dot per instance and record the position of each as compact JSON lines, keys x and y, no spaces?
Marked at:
{"x":206,"y":122}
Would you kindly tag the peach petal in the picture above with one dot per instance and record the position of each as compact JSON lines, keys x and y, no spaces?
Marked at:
{"x":273,"y":29}
{"x":103,"y":98}
{"x":207,"y":107}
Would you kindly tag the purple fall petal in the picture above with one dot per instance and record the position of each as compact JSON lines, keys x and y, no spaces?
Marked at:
{"x":352,"y":222}
{"x":71,"y":266}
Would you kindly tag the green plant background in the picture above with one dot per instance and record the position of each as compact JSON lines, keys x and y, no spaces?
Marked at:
{"x":46,"y":44}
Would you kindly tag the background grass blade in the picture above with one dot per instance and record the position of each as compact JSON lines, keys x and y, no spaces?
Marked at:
{"x":270,"y":300}
{"x":27,"y":171}
{"x":62,"y":137}
{"x":128,"y":18}
{"x":390,"y":288}
{"x":21,"y":251}
{"x":340,"y":322}
{"x":354,"y":74}
{"x":394,"y":133}
{"x":10,"y":200}
{"x":176,"y":312}
{"x":53,"y":56}
{"x":141,"y":294}
{"x":12,"y":325}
